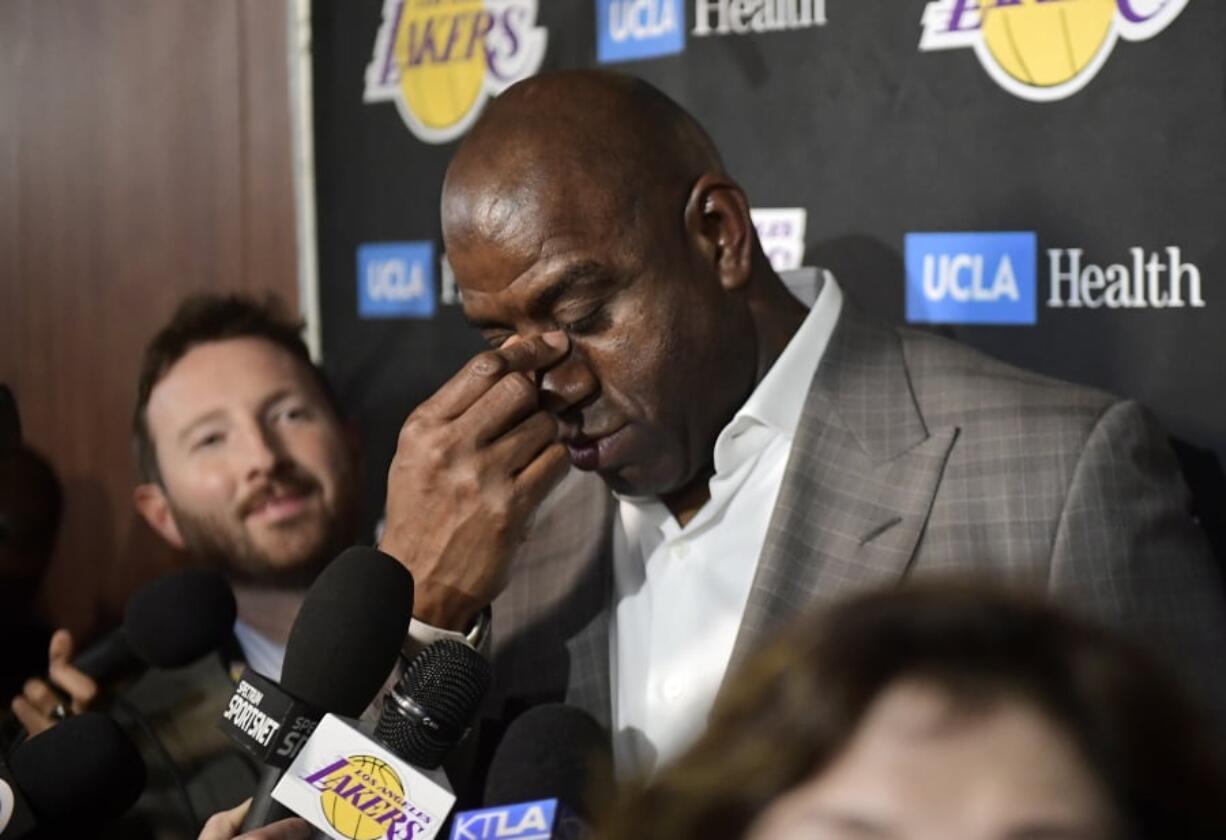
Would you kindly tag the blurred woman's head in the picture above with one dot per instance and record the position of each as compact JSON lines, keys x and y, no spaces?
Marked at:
{"x":940,"y":711}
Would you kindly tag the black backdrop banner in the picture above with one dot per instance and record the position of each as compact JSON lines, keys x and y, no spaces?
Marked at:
{"x":1045,"y":180}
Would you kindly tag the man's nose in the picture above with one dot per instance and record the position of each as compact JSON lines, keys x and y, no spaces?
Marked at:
{"x":568,"y":384}
{"x":262,"y":451}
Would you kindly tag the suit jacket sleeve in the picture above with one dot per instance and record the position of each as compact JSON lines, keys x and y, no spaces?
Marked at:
{"x":1128,"y":549}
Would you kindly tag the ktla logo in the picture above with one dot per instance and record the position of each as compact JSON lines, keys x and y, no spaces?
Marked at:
{"x":1043,"y":50}
{"x":440,"y":60}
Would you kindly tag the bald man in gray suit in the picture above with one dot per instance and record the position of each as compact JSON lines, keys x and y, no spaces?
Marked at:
{"x":739,"y":456}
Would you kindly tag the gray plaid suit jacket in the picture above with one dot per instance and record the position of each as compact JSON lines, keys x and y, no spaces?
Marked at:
{"x":914,"y":455}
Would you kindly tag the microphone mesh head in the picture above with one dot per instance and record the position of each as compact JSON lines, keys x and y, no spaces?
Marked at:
{"x":442,"y":687}
{"x":179,"y":617}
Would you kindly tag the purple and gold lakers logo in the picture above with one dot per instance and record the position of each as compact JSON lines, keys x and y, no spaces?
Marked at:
{"x":440,"y":60}
{"x":1043,"y":50}
{"x":363,"y":798}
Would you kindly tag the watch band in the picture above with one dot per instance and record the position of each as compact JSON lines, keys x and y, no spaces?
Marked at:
{"x":422,"y":635}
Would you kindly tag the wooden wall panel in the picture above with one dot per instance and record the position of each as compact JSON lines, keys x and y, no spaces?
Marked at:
{"x":145,"y":153}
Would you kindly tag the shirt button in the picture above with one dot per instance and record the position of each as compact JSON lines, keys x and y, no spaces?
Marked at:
{"x":681,"y":550}
{"x":671,"y":688}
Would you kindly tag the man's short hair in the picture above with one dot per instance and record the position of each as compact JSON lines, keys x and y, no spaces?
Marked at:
{"x":203,"y":319}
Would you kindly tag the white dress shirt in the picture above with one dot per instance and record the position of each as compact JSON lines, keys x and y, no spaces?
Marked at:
{"x":262,"y":655}
{"x":679,"y":593}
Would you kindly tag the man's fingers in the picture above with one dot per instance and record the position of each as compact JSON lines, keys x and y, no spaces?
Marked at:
{"x":536,"y":480}
{"x":40,"y":695}
{"x":80,"y":687}
{"x":520,"y":446}
{"x":225,"y":825}
{"x":528,"y":354}
{"x":484,"y":370}
{"x":61,"y":647}
{"x":32,"y":720}
{"x":503,"y":407}
{"x":293,"y":828}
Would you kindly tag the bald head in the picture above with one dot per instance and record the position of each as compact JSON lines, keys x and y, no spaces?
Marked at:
{"x":625,"y":146}
{"x":593,"y":204}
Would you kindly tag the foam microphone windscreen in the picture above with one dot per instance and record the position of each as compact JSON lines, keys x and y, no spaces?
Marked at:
{"x":365,"y":588}
{"x":179,"y":617}
{"x":171,"y":622}
{"x":82,"y":770}
{"x":551,"y":751}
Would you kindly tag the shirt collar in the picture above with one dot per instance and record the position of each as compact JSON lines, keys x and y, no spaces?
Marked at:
{"x":780,"y":396}
{"x":777,"y":402}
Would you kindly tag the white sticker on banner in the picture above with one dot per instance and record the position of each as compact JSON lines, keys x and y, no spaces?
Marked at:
{"x":781,"y":230}
{"x":440,"y":60}
{"x":754,"y":17}
{"x":351,"y":788}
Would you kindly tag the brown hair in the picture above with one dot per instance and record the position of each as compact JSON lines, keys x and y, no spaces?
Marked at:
{"x":795,"y":705}
{"x":205,"y":318}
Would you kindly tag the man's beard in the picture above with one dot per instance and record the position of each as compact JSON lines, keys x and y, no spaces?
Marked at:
{"x":304,"y":549}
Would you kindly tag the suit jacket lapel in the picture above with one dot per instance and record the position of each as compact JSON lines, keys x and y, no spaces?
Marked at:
{"x":858,"y":486}
{"x":550,"y":636}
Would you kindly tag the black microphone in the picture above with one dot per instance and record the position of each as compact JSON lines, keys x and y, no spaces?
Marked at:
{"x":433,"y":703}
{"x":552,"y":764}
{"x":170,"y":622}
{"x":349,"y":783}
{"x":66,"y":781}
{"x":342,"y":647}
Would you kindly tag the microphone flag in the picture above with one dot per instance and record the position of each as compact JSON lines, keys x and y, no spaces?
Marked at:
{"x":350,"y":787}
{"x":266,"y":721}
{"x":544,"y":819}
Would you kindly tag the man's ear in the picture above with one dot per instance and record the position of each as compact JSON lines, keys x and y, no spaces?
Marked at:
{"x":718,"y":222}
{"x":151,"y":502}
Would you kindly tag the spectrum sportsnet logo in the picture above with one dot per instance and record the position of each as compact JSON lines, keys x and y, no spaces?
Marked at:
{"x":741,"y":17}
{"x":1043,"y":50}
{"x":992,"y":278}
{"x":440,"y":60}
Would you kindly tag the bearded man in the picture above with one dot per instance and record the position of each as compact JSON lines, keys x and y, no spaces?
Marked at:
{"x":247,"y":466}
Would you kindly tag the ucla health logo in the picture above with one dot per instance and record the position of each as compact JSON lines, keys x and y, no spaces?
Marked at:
{"x":630,"y":29}
{"x":1043,"y":50}
{"x":440,"y":60}
{"x":971,"y":278}
{"x":396,"y":280}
